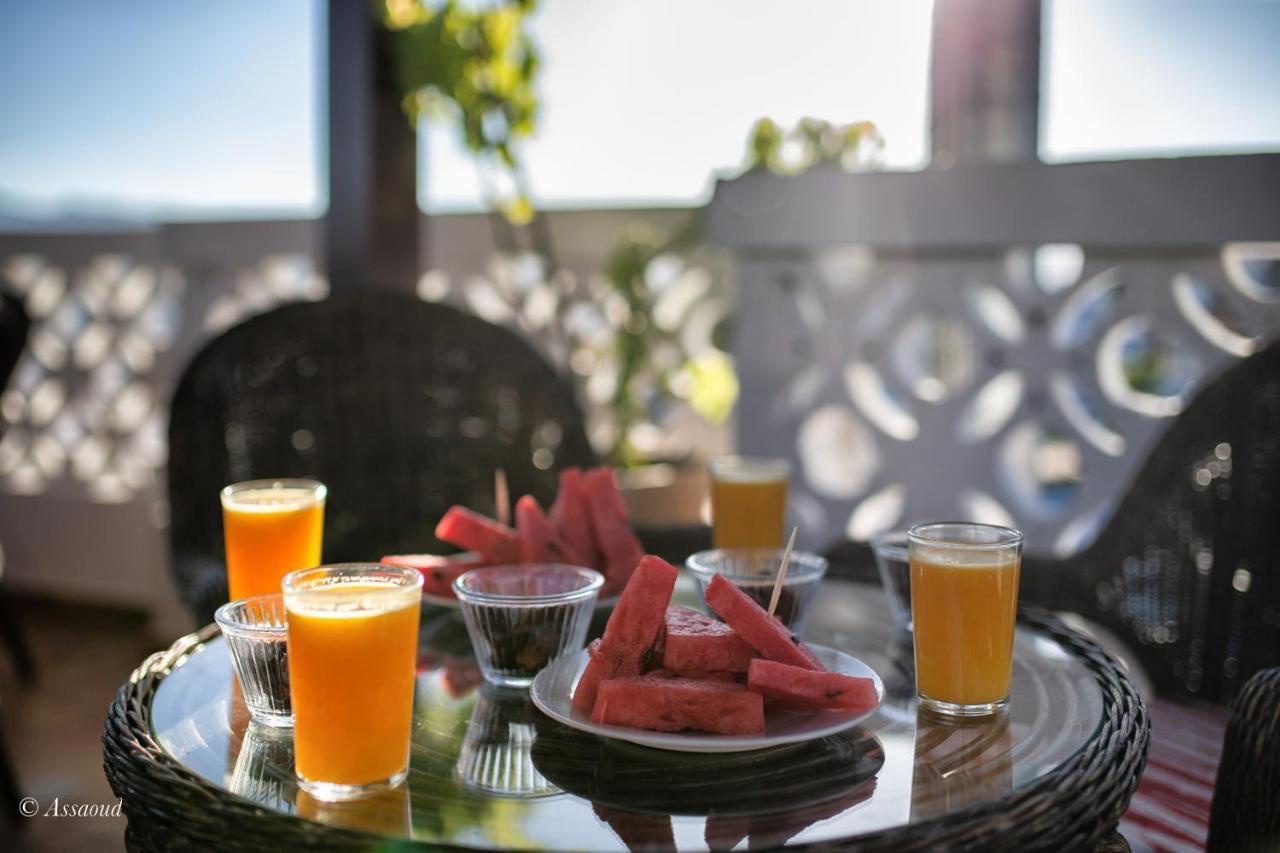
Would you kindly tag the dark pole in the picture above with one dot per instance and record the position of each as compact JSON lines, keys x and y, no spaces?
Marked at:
{"x":371,"y":228}
{"x":985,"y":80}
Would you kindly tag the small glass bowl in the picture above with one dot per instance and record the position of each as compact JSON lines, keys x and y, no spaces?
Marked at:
{"x":894,"y":565}
{"x":521,"y":618}
{"x":754,"y":570}
{"x":256,"y":632}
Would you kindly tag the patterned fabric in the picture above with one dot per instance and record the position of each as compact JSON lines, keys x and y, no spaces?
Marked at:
{"x":1170,"y":811}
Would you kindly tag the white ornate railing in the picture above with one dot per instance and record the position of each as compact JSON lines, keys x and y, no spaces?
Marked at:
{"x":929,"y":346}
{"x":116,"y":316}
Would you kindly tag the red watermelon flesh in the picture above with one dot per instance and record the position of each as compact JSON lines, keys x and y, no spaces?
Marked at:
{"x":700,"y":675}
{"x":806,"y":690}
{"x":461,"y":676}
{"x":770,"y":637}
{"x":654,"y":664}
{"x":696,"y":642}
{"x":564,"y":552}
{"x":438,"y":571}
{"x":474,"y":532}
{"x":612,"y":531}
{"x":588,"y":686}
{"x":678,"y":704}
{"x":626,"y":648}
{"x":534,"y":531}
{"x":570,"y":517}
{"x":638,"y":831}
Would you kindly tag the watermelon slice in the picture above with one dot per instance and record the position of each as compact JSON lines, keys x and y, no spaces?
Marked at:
{"x":699,"y":675}
{"x":626,"y":649}
{"x":608,"y":513}
{"x":806,"y":690}
{"x":769,"y":636}
{"x":474,"y":532}
{"x":438,"y":571}
{"x":569,"y":516}
{"x":677,"y":704}
{"x":696,"y":642}
{"x":534,"y":531}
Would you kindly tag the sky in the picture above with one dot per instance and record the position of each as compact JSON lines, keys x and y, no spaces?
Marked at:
{"x":1148,"y":77}
{"x":194,"y":107}
{"x":211,"y":109}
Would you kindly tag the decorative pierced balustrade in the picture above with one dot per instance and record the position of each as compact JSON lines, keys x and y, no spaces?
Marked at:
{"x":1002,"y":343}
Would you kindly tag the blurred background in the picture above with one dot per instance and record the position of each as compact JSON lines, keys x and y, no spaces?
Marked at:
{"x":168,"y":170}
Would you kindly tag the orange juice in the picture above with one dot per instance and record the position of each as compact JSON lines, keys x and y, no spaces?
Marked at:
{"x":353,"y":646}
{"x":748,"y":502}
{"x":271,"y":528}
{"x":963,"y":608}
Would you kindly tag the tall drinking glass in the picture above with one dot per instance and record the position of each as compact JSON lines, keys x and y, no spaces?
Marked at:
{"x":748,"y":501}
{"x":353,"y":644}
{"x":271,"y":527}
{"x":964,"y":602}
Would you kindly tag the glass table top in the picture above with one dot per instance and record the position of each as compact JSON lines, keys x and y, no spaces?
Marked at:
{"x":488,"y":770}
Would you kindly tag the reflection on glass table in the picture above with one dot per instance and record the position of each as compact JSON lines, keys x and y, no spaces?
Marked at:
{"x":959,"y":762}
{"x":496,"y":756}
{"x":487,"y":770}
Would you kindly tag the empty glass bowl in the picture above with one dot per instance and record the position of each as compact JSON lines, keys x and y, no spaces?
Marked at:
{"x":521,"y":618}
{"x":256,"y":632}
{"x":754,"y":571}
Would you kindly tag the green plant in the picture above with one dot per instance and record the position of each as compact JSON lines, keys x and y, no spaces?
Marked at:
{"x":651,"y":362}
{"x":706,"y":381}
{"x":853,"y":147}
{"x":477,"y":66}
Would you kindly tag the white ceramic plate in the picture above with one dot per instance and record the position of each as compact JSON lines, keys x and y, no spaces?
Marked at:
{"x":452,"y":603}
{"x":552,"y":692}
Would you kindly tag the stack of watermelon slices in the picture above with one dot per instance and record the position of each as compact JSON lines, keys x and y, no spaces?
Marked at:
{"x":587,"y":525}
{"x":667,"y":668}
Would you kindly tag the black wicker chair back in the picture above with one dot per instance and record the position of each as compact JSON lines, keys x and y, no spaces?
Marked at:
{"x":1188,"y":569}
{"x":15,"y":324}
{"x":400,"y":407}
{"x":1245,"y":817}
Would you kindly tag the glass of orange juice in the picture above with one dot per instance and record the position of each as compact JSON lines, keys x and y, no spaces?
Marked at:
{"x":748,"y":501}
{"x":964,"y":603}
{"x":353,"y":649}
{"x":271,"y":527}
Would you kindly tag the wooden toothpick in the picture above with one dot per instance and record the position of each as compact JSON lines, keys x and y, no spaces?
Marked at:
{"x":782,"y":571}
{"x":501,"y":499}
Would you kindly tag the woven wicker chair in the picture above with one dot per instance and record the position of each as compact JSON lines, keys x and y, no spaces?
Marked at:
{"x":1188,"y":574}
{"x":1246,"y":798}
{"x":399,"y":406}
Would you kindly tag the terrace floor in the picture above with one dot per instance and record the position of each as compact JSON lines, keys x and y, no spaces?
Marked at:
{"x":53,"y":728}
